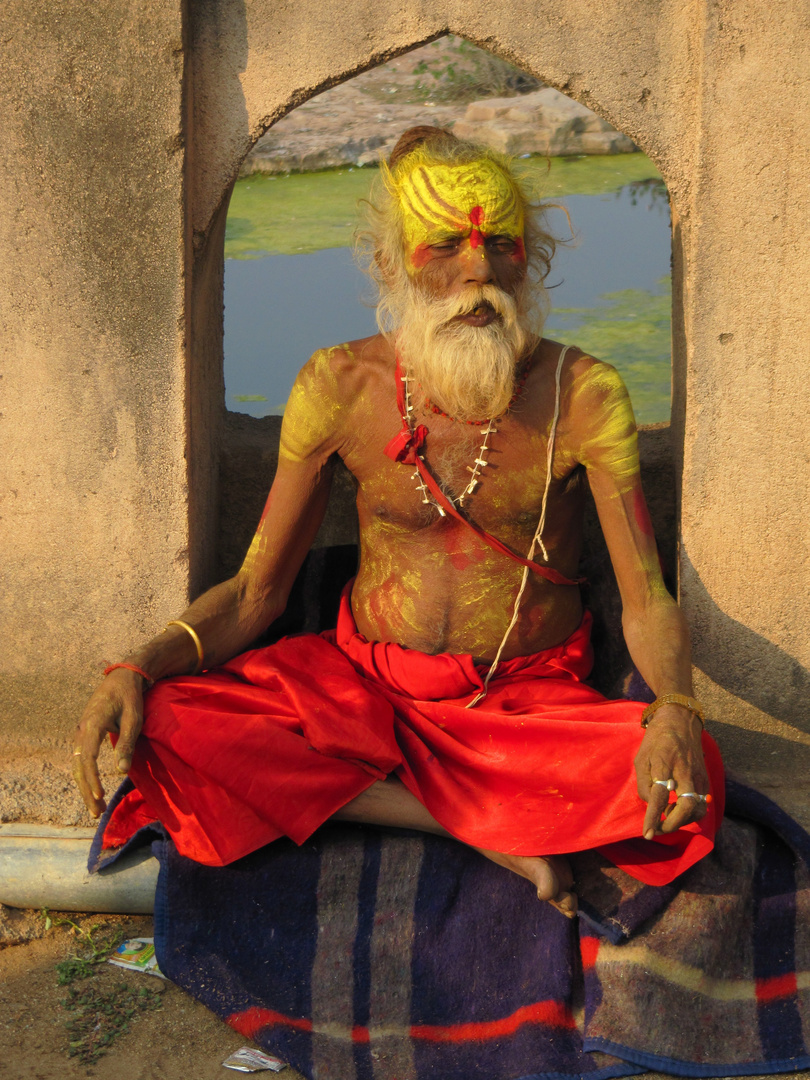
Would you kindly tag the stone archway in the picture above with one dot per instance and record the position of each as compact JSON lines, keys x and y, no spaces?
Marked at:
{"x":674,"y":80}
{"x":241,"y":89}
{"x":123,"y":131}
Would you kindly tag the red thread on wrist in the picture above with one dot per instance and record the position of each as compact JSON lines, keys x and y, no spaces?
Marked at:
{"x":131,"y":667}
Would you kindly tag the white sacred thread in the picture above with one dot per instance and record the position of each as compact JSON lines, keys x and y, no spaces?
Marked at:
{"x":536,"y":539}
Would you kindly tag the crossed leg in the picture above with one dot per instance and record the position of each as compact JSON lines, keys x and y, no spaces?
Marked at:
{"x":388,"y":802}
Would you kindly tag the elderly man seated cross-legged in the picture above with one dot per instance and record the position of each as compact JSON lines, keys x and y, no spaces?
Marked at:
{"x":451,"y":697}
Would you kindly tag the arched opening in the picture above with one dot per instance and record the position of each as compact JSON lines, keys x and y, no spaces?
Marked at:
{"x":292,"y":286}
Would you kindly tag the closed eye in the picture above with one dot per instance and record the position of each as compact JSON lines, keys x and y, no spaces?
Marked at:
{"x":450,"y":244}
{"x":503,"y":244}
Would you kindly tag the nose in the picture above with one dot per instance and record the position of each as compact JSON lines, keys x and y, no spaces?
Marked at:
{"x":477,"y":267}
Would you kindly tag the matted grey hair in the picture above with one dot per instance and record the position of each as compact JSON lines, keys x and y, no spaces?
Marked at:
{"x":379,"y":244}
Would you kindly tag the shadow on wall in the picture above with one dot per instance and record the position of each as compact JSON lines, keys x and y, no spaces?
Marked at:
{"x":743,"y":662}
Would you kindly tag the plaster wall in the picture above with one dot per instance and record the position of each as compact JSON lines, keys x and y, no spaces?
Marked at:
{"x":126,"y":130}
{"x":94,"y":533}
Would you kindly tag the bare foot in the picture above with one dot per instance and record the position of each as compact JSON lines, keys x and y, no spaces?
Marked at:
{"x":551,"y":876}
{"x":388,"y":802}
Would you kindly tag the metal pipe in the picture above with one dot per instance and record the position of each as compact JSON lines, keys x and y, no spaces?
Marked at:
{"x":45,"y":867}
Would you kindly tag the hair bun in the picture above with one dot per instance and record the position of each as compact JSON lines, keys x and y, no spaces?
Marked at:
{"x":417,"y":136}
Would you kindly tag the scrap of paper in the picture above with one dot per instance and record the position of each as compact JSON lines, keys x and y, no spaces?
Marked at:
{"x":137,"y":954}
{"x":249,"y":1060}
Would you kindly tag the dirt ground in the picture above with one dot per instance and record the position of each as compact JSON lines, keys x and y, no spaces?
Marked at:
{"x":180,"y":1041}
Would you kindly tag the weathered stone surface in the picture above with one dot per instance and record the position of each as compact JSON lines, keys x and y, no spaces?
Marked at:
{"x":543,"y":122}
{"x":116,"y":170}
{"x":352,"y":124}
{"x":93,"y":470}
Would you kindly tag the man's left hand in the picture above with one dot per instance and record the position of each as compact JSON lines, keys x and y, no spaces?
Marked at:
{"x":671,"y":749}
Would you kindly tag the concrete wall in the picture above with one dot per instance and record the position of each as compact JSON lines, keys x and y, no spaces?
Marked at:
{"x":93,"y":474}
{"x":123,"y":130}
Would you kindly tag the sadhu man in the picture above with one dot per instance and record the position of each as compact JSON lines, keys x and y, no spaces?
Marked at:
{"x":451,"y":696}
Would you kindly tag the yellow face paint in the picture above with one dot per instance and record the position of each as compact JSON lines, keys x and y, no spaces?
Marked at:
{"x":477,"y":199}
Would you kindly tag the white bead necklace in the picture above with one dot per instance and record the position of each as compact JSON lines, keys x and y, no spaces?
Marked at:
{"x":479,"y":463}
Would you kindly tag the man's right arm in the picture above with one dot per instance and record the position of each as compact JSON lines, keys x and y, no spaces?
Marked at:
{"x":230,"y":616}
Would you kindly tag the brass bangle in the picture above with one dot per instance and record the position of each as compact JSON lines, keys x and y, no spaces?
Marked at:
{"x":690,"y":703}
{"x":195,"y":638}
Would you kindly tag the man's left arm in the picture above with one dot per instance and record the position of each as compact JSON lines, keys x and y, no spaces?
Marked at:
{"x":604,"y":435}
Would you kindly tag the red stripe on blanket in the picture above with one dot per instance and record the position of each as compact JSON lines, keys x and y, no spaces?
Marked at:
{"x":253,"y":1020}
{"x":589,"y":949}
{"x":777,"y":986}
{"x":551,"y":1013}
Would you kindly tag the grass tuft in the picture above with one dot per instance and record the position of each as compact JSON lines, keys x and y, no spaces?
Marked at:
{"x":99,"y":1015}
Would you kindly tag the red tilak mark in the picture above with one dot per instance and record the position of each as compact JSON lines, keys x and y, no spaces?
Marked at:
{"x":551,"y":1013}
{"x":519,"y":254}
{"x":589,"y":947}
{"x":642,"y":513}
{"x":476,"y":220}
{"x":778,"y":986}
{"x":421,"y":255}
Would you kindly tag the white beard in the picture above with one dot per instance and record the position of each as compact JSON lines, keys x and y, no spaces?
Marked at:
{"x":466,"y":371}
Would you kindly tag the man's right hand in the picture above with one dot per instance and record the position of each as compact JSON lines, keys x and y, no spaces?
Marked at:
{"x":115,"y":708}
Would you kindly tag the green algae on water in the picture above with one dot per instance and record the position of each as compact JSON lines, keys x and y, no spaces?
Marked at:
{"x":631,"y":330}
{"x":303,"y":212}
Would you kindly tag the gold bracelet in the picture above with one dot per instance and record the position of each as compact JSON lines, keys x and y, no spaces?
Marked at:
{"x":195,"y":638}
{"x":690,"y":703}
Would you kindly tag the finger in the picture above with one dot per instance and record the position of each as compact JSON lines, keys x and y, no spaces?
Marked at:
{"x":129,"y":729}
{"x":684,"y":812}
{"x":659,"y":797}
{"x":85,"y":770}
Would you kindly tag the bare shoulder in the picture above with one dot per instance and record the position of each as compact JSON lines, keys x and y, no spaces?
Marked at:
{"x":588,"y":382}
{"x":597,"y":416}
{"x":325,"y":395}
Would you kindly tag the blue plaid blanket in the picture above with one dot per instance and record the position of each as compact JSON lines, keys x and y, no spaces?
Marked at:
{"x":372,"y":954}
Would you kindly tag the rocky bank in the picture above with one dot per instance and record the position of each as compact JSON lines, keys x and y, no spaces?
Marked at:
{"x":357,"y":122}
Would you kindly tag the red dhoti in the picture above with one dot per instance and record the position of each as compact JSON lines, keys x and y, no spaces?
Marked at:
{"x":274,"y":742}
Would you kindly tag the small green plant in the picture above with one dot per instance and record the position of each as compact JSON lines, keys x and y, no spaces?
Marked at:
{"x":99,"y":1015}
{"x":99,"y":1018}
{"x":99,"y":946}
{"x":470,"y":73}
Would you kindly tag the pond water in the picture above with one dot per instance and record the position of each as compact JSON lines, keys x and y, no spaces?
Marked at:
{"x":609,"y":289}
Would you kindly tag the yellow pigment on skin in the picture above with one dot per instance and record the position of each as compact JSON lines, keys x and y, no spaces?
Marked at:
{"x":257,"y":550}
{"x":438,"y":201}
{"x":312,"y":408}
{"x":610,"y":442}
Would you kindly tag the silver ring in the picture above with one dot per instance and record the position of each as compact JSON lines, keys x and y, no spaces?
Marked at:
{"x":692,"y":795}
{"x":668,"y":784}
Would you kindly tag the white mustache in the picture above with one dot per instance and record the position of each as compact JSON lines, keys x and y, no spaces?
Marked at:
{"x":451,"y":307}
